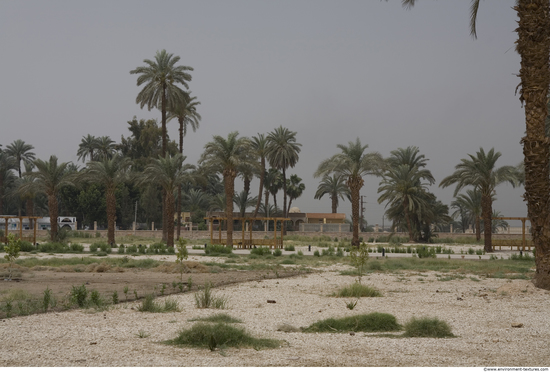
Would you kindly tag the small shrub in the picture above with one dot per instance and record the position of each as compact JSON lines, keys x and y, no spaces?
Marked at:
{"x":425,"y":252}
{"x":93,"y":247}
{"x":47,"y":299}
{"x":277,"y":252}
{"x":351,"y":304}
{"x":79,"y":295}
{"x":260,"y":251}
{"x":121,"y":249}
{"x":216,"y":250}
{"x":148,"y":304}
{"x":300,"y":253}
{"x":358,"y":290}
{"x":26,"y":246}
{"x":142,"y":334}
{"x":316,"y":253}
{"x":131,"y":249}
{"x":290,"y":248}
{"x":76,"y":247}
{"x":211,"y":336}
{"x":373,"y":322}
{"x":114,"y":297}
{"x":95,"y":298}
{"x":206,"y":299}
{"x":339,"y":252}
{"x":427,"y":327}
{"x":471,"y":251}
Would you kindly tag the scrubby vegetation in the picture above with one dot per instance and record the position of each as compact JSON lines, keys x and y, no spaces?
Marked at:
{"x":373,"y":322}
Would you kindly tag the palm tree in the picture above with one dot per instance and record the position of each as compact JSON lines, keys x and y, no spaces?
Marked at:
{"x":295,"y":189}
{"x":273,"y":182}
{"x":225,"y":156}
{"x":405,"y":187}
{"x":334,"y":186}
{"x":21,"y":151}
{"x":110,"y":173}
{"x":469,"y":206}
{"x":185,"y":111}
{"x":405,"y":182}
{"x":168,"y":172}
{"x":50,"y":177}
{"x":160,"y":91}
{"x":353,"y":163}
{"x":244,"y":201}
{"x":7,"y":163}
{"x":27,"y":189}
{"x":282,"y":152}
{"x":105,"y":147}
{"x":479,"y":171}
{"x":259,"y":145}
{"x":86,"y":148}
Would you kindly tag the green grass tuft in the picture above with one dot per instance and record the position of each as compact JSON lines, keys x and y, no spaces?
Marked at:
{"x":427,"y":327}
{"x":218,"y":335}
{"x":358,"y":290}
{"x":218,"y":318}
{"x":373,"y":322}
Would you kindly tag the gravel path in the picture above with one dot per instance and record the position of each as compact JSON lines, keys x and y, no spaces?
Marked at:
{"x":480,"y":311}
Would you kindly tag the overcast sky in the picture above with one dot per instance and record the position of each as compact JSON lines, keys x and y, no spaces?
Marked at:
{"x":330,"y":70}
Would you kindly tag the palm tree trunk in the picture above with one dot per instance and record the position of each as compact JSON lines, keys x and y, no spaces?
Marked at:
{"x":355,"y":184}
{"x":169,"y":219}
{"x":229,"y":180}
{"x":178,"y":211}
{"x":164,"y":217}
{"x":111,"y":215}
{"x":408,"y":219}
{"x":478,"y":228}
{"x":533,"y":45}
{"x":180,"y":120}
{"x":486,"y":211}
{"x":334,"y":198}
{"x":52,"y":206}
{"x":261,"y":188}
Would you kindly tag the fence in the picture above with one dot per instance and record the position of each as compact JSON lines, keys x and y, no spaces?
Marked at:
{"x":325,"y":227}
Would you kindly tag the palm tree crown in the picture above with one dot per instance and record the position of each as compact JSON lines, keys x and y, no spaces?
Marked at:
{"x":334,"y":186}
{"x":21,"y":151}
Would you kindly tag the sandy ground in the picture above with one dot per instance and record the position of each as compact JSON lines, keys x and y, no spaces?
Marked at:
{"x":497,"y":322}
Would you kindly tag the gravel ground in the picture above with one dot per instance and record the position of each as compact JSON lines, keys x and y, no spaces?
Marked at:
{"x":481,"y":313}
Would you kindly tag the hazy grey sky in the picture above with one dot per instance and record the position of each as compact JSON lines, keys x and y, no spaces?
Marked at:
{"x":330,"y":70}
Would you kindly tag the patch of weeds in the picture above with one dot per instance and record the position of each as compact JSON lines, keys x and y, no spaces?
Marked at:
{"x":219,"y":335}
{"x":290,"y":248}
{"x":217,"y":250}
{"x":277,"y":252}
{"x":79,"y":295}
{"x":358,"y":290}
{"x":205,"y":299}
{"x":142,"y":334}
{"x":287,"y":261}
{"x":351,"y":304}
{"x":447,"y":278}
{"x":373,"y":322}
{"x":218,"y":318}
{"x":261,"y":251}
{"x":427,"y":327}
{"x":148,"y":304}
{"x":316,"y":253}
{"x":114,"y":297}
{"x":47,"y":299}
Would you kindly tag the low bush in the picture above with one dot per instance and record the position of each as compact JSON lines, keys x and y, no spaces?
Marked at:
{"x":277,"y":252}
{"x":427,"y":327}
{"x":358,"y":290}
{"x":261,"y":251}
{"x":75,"y":247}
{"x":373,"y":322}
{"x":216,"y":335}
{"x":290,"y":248}
{"x":148,"y":304}
{"x":206,"y":299}
{"x":216,"y":250}
{"x":25,"y":246}
{"x":79,"y":295}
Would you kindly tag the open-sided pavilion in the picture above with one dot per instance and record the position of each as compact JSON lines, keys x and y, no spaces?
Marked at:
{"x":246,"y":241}
{"x":32,"y":239}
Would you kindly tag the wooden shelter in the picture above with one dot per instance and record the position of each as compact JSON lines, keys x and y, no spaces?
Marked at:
{"x":247,"y":242}
{"x":513,"y":242}
{"x":32,"y":239}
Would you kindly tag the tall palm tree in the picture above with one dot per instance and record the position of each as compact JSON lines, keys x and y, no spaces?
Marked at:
{"x":7,"y":163}
{"x":469,"y":205}
{"x":533,"y":46}
{"x":21,"y":151}
{"x":282,"y":153}
{"x":405,"y":182}
{"x":353,"y":163}
{"x":185,"y":111}
{"x":334,"y":186}
{"x":168,"y":172}
{"x":86,"y":148}
{"x":259,"y":145}
{"x":160,"y":91}
{"x":480,"y":172}
{"x":295,"y":189}
{"x":244,"y":201}
{"x":109,"y":172}
{"x":405,"y":186}
{"x":27,"y":189}
{"x":50,"y":177}
{"x":225,"y":156}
